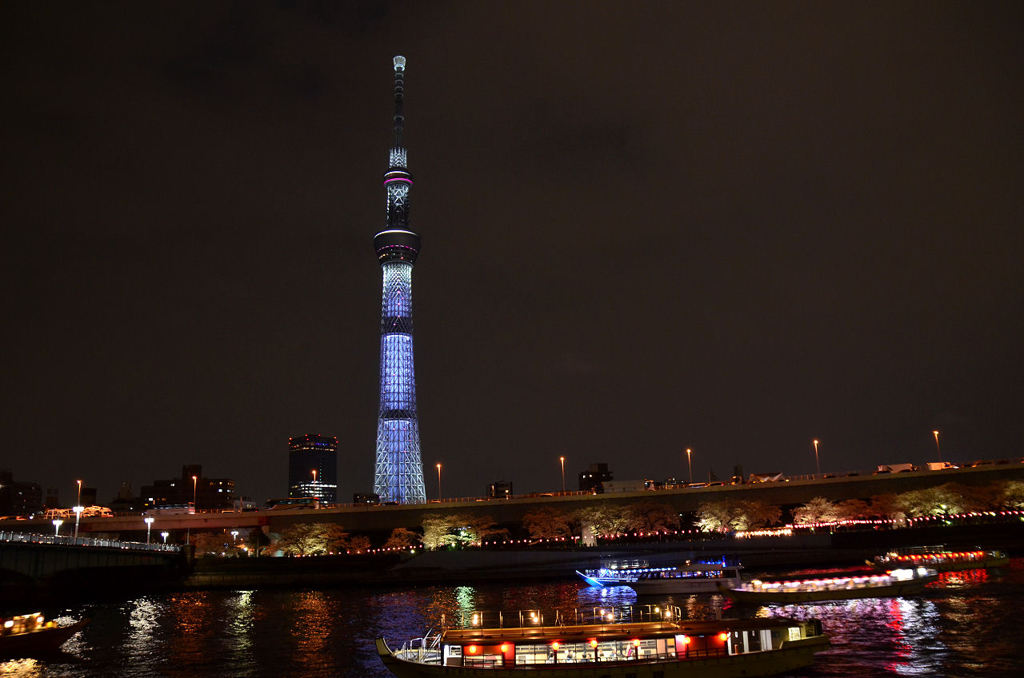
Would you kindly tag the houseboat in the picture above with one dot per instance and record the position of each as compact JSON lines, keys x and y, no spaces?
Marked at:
{"x":704,"y":649}
{"x":30,"y":635}
{"x":894,"y":583}
{"x":940,"y":559}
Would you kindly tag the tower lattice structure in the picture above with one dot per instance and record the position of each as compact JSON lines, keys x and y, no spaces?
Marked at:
{"x":398,"y":473}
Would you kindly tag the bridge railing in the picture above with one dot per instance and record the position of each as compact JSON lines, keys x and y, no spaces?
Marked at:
{"x":29,"y":538}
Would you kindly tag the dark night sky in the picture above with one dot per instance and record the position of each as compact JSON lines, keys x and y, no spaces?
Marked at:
{"x":729,"y":226}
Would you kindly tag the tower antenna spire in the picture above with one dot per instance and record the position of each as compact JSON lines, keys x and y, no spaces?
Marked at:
{"x":399,"y":62}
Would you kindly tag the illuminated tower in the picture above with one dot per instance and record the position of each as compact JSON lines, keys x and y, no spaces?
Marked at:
{"x":398,"y":474}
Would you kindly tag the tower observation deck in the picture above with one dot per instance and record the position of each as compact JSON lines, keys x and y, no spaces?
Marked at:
{"x":398,"y":472}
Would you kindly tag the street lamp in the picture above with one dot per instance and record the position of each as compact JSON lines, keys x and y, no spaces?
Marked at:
{"x":817,"y":463}
{"x":937,"y":448}
{"x":689,"y":463}
{"x":78,"y":514}
{"x":57,"y":522}
{"x":165,"y":534}
{"x":234,"y":536}
{"x":149,"y":526}
{"x":79,"y":502}
{"x":562,"y":459}
{"x":195,"y":486}
{"x":439,"y":481}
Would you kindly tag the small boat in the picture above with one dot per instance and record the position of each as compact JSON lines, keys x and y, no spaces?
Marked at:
{"x":687,"y":578}
{"x":30,"y":635}
{"x":940,"y":559}
{"x":697,"y":649}
{"x":894,"y":583}
{"x":697,"y":578}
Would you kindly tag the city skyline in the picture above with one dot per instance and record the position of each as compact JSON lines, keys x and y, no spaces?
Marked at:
{"x":649,"y":230}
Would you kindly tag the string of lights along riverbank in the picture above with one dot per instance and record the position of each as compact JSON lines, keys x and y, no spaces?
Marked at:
{"x":398,"y":472}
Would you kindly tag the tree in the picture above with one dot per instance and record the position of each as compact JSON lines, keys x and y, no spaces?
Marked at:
{"x":721,"y":516}
{"x":437,"y":531}
{"x":756,"y":514}
{"x":402,"y":538}
{"x":213,"y":544}
{"x":440,"y":531}
{"x":853,"y":509}
{"x":931,"y":501}
{"x":887,"y":506}
{"x":476,"y":528}
{"x":311,"y":539}
{"x":817,"y":510}
{"x":603,"y":519}
{"x":714,"y":516}
{"x":1012,"y":495}
{"x":547,"y":523}
{"x":651,"y":516}
{"x":358,"y":543}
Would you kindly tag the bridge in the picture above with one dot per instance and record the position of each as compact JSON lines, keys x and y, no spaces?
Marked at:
{"x":32,"y":561}
{"x":380,"y":520}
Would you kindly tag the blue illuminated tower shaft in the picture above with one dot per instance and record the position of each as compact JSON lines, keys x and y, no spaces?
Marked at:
{"x":398,"y":473}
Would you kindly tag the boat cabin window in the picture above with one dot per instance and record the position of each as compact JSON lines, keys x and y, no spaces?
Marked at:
{"x":745,"y":641}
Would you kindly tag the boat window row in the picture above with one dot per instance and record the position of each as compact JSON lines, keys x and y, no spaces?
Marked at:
{"x":678,"y":647}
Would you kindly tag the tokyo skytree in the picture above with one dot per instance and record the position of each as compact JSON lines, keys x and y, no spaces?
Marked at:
{"x":398,"y":473}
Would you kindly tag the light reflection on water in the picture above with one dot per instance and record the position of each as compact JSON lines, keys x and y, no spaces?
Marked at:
{"x":965,"y":625}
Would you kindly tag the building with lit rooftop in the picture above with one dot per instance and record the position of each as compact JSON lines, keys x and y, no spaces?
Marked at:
{"x":313,"y":467}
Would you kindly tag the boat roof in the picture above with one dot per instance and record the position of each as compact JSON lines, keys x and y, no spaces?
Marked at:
{"x":539,"y":634}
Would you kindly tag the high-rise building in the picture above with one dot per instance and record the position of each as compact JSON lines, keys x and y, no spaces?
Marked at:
{"x":398,"y":472}
{"x":313,"y":467}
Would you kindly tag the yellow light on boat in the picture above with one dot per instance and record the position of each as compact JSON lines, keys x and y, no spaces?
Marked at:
{"x":723,"y":636}
{"x":593,"y":642}
{"x":471,"y":649}
{"x":504,"y":648}
{"x":668,"y":614}
{"x":636,"y":642}
{"x":687,"y":640}
{"x":554,"y":645}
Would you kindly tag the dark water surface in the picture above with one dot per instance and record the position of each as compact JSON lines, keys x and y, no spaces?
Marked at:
{"x":968,"y":624}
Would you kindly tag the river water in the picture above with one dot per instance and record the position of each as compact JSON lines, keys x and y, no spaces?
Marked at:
{"x":967,"y":624}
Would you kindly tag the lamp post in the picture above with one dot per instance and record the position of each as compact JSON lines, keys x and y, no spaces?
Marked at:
{"x":149,"y":526}
{"x":234,"y":536}
{"x":195,"y":488}
{"x":817,"y":463}
{"x":78,"y":515}
{"x":79,"y":502}
{"x":439,"y":481}
{"x":689,"y":463}
{"x":165,"y":534}
{"x":57,"y":522}
{"x":937,"y":448}
{"x":562,"y":460}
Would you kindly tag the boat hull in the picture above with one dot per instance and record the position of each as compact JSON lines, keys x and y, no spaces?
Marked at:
{"x":792,"y":655}
{"x":786,"y":597}
{"x":647,"y":587}
{"x":35,"y":643}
